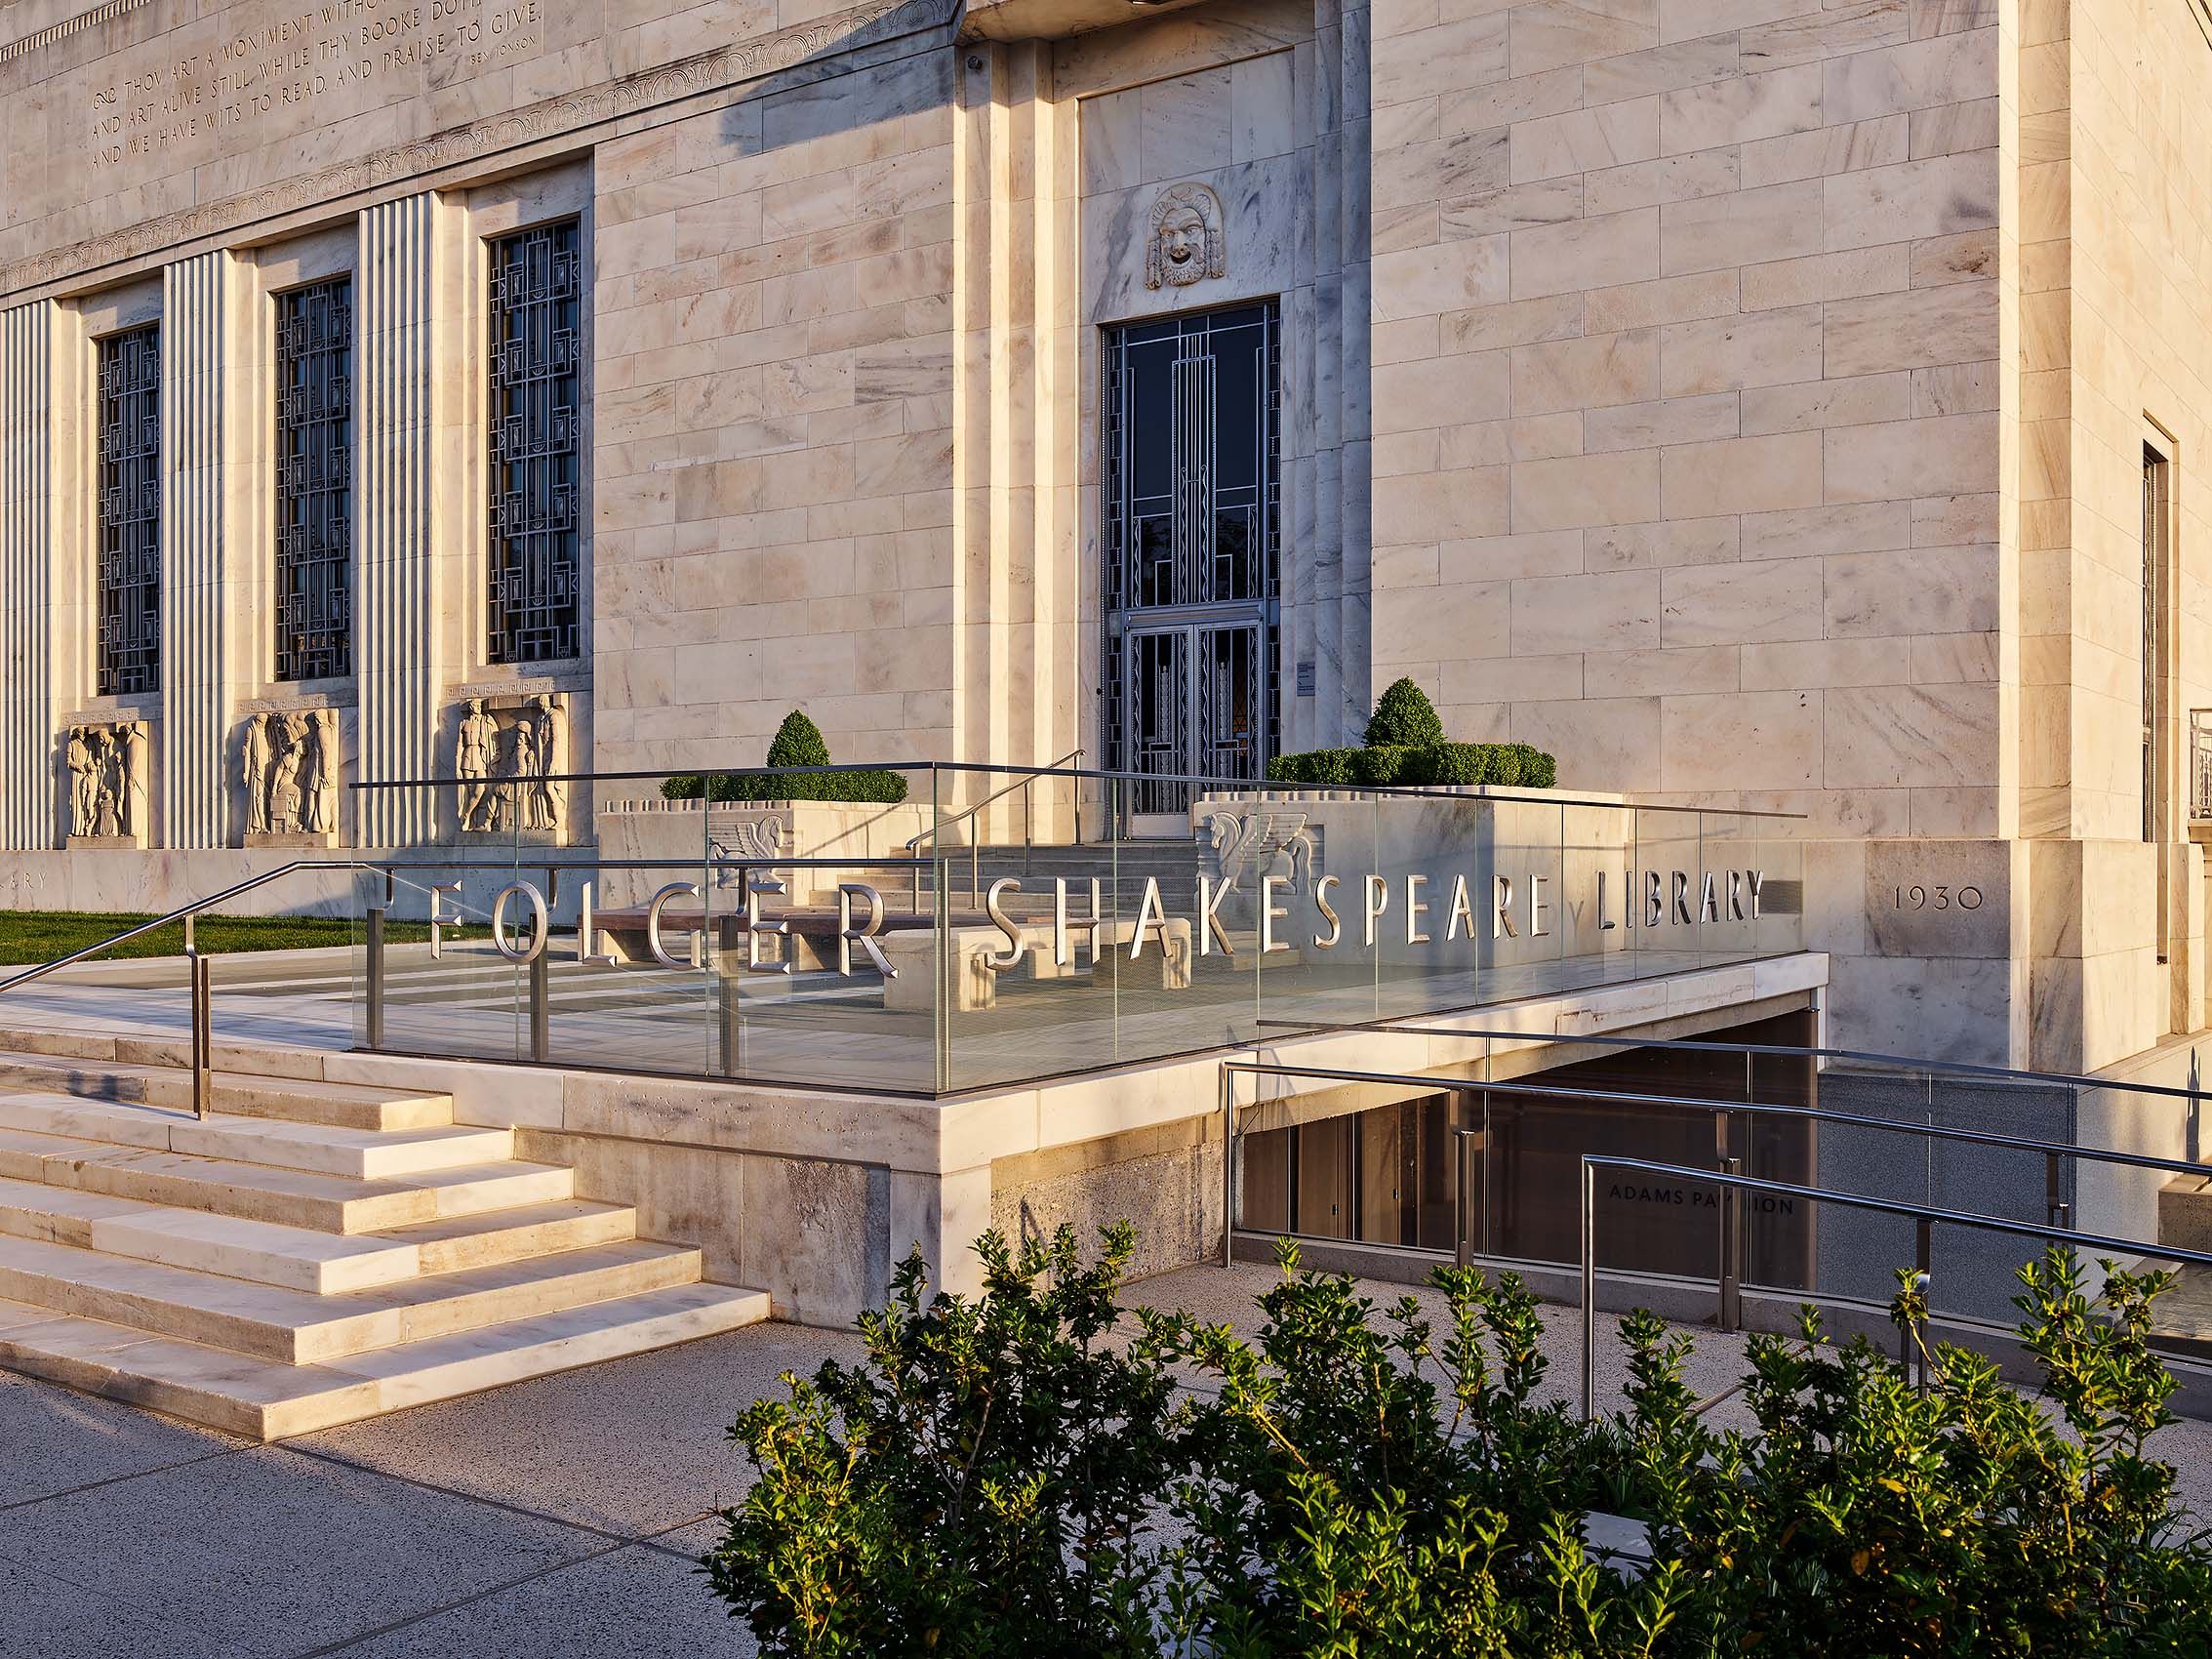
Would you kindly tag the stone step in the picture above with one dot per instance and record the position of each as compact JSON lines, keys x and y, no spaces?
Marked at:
{"x":264,"y":1400}
{"x":235,"y":1093}
{"x":365,"y":1155}
{"x":295,"y":1197}
{"x":301,"y":1328}
{"x":2185,"y":1213}
{"x":298,"y":1258}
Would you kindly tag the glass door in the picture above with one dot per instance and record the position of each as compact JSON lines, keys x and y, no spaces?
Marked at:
{"x":1192,"y":541}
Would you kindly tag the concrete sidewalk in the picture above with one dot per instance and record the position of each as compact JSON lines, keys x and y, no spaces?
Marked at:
{"x":561,"y":1516}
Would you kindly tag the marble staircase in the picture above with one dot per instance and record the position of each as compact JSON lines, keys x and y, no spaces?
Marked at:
{"x":310,"y":1253}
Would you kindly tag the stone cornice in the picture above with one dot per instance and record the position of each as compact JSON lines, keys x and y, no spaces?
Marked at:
{"x":591,"y":107}
{"x":23,"y":45}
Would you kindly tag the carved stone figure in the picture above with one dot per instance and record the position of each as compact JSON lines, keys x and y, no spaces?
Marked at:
{"x":540,"y":748}
{"x":256,"y":767}
{"x":319,"y":797}
{"x":1247,"y":846}
{"x":84,"y":783}
{"x":1187,"y":241}
{"x":473,"y":752}
{"x":289,"y":737}
{"x":114,"y":785}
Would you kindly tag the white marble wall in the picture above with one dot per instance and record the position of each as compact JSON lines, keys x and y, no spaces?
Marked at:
{"x":409,"y":250}
{"x":213,"y":532}
{"x":28,"y":367}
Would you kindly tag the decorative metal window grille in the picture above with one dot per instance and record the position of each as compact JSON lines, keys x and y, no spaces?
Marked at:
{"x":314,"y":481}
{"x":537,"y":313}
{"x":129,"y":512}
{"x":1192,"y":434}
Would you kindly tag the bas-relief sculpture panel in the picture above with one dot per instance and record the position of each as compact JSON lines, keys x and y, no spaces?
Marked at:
{"x":107,"y":784}
{"x":288,"y":763}
{"x":508,"y":752}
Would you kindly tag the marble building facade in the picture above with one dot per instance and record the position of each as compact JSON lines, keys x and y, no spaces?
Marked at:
{"x":1752,"y":402}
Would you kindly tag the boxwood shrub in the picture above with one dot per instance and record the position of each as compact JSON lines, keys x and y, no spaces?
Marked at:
{"x":1510,"y":765}
{"x":798,"y":743}
{"x":1406,"y":747}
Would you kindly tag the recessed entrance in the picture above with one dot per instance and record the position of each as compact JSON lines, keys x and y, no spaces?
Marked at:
{"x":1192,"y":491}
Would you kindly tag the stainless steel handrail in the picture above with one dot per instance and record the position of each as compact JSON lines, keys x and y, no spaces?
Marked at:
{"x":1023,"y":784}
{"x":1925,"y":1216}
{"x":1388,"y":1027}
{"x":197,"y":965}
{"x":181,"y":913}
{"x":1210,"y":780}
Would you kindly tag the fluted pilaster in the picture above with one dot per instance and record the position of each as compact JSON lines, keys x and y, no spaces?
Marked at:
{"x":29,"y":549}
{"x":209,"y":538}
{"x":406,"y":281}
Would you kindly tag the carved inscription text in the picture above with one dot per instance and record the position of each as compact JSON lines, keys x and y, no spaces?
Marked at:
{"x":335,"y":50}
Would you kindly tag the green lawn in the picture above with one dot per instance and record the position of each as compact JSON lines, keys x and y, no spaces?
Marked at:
{"x":40,"y":936}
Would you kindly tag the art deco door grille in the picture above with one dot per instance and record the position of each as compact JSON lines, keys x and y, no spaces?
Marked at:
{"x":1193,"y":475}
{"x":128,"y":571}
{"x":537,"y":348}
{"x":314,"y":481}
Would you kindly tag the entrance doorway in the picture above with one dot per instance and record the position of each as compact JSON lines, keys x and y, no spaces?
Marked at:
{"x":1192,"y":497}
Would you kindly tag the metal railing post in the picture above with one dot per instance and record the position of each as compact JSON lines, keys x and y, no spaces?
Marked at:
{"x":2056,"y":1210}
{"x":203,"y":1033}
{"x":1462,"y":1209}
{"x":540,"y":1006}
{"x":1488,"y":1145}
{"x":1590,"y":1284}
{"x":374,"y":989}
{"x":729,"y":1029}
{"x":1229,"y":1168}
{"x":1731,"y":1248}
{"x":1924,"y":1230}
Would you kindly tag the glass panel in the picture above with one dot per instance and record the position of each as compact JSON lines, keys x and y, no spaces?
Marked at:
{"x":129,"y":512}
{"x":748,"y":938}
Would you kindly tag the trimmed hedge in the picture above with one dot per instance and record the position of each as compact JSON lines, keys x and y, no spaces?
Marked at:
{"x":1406,"y":748}
{"x":1508,"y":765}
{"x":798,"y":743}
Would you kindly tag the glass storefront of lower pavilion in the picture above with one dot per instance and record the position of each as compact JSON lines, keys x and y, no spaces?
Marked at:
{"x":1389,"y":1175}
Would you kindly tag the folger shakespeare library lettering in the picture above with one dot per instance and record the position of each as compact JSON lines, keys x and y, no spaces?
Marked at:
{"x":1374,"y":909}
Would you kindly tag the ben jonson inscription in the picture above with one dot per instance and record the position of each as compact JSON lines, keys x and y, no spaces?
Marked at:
{"x":333,"y":50}
{"x":1667,"y":898}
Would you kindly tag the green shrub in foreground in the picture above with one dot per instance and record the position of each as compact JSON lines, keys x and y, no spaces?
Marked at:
{"x":1018,"y":1474}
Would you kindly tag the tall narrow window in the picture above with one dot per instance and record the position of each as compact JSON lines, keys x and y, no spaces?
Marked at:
{"x":2157,"y":647}
{"x":314,"y":481}
{"x":129,"y":654}
{"x":536,"y":319}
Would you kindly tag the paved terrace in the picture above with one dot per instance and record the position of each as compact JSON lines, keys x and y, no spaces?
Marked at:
{"x":554,"y":1518}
